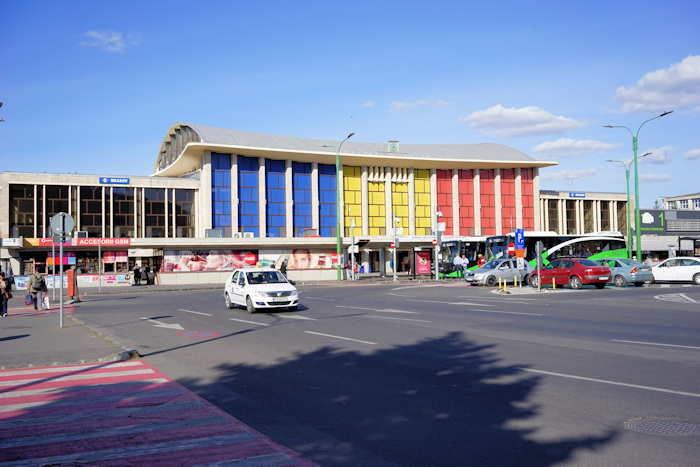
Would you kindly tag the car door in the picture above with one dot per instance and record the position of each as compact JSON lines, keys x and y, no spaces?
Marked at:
{"x":666,"y":271}
{"x":564,"y":271}
{"x":237,"y":288}
{"x":687,"y":269}
{"x":550,"y":272}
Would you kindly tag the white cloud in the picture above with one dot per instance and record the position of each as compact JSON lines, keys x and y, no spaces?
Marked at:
{"x":582,"y":174}
{"x":405,"y":106}
{"x":109,"y":40}
{"x":692,"y":154}
{"x":567,"y":147}
{"x":502,"y":122}
{"x":367,"y":104}
{"x":654,"y":178}
{"x":675,"y":87}
{"x":660,"y":155}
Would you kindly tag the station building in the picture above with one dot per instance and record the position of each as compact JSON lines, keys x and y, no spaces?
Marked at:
{"x":221,"y":198}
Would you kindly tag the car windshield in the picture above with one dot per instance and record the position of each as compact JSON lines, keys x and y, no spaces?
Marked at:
{"x":491,"y":265}
{"x":630,"y":262}
{"x":265,"y":277}
{"x":588,"y":262}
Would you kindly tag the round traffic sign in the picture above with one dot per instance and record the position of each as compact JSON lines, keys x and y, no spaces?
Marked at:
{"x":393,"y":245}
{"x":62,"y":223}
{"x":511,"y":248}
{"x":434,"y":242}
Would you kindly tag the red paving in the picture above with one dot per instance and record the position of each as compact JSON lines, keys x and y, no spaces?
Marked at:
{"x":121,"y":413}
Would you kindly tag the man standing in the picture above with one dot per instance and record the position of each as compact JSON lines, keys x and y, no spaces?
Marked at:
{"x":137,"y":275}
{"x":458,"y":265}
{"x":465,"y":265}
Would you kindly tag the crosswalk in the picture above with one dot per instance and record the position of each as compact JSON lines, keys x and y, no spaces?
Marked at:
{"x":121,"y":413}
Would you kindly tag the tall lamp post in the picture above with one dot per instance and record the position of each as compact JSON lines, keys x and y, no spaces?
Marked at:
{"x":629,"y":226}
{"x":637,"y":218}
{"x":337,"y":198}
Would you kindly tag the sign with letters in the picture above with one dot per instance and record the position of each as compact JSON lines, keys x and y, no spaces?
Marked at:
{"x":114,"y":180}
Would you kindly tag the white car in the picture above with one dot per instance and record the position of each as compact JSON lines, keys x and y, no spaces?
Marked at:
{"x":681,"y":268}
{"x":256,"y":288}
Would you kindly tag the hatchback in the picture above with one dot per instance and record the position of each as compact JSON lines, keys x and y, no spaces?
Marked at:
{"x":256,"y":288}
{"x":503,"y":269}
{"x":625,"y":271}
{"x":575,"y":272}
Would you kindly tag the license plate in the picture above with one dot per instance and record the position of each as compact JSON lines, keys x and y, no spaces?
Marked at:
{"x":604,"y":278}
{"x":278,"y":299}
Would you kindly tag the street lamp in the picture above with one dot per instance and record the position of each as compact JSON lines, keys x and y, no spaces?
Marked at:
{"x":637,"y":218}
{"x":337,"y":197}
{"x":629,"y":226}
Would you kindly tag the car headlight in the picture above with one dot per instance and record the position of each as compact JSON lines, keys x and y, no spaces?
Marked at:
{"x":260,"y":294}
{"x":294,"y":293}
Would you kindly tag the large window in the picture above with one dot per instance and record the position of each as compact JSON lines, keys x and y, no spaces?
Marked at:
{"x":605,"y":215}
{"x":327,"y":217}
{"x":444,"y":198}
{"x":156,"y":212}
{"x":421,"y":188}
{"x":352,"y":195}
{"x":570,"y":217}
{"x":221,"y":193}
{"x":466,"y":202}
{"x":248,"y":206}
{"x":377,"y":209}
{"x":301,"y":193}
{"x":123,"y":202}
{"x":508,"y":214}
{"x":275,"y":194}
{"x":588,"y":216}
{"x":488,"y":202}
{"x":91,"y":210}
{"x":184,"y":213}
{"x":22,"y":211}
{"x":552,"y":215}
{"x":528,"y":198}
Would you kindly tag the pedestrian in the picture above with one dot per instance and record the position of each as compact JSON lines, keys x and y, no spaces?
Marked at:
{"x":137,"y":275}
{"x":481,"y":261}
{"x":465,"y":265}
{"x":36,"y":287}
{"x":648,"y":261}
{"x":457,"y":261}
{"x":283,"y":268}
{"x":408,"y":266}
{"x":148,"y":274}
{"x":10,"y":279}
{"x":4,"y":294}
{"x":355,"y":272}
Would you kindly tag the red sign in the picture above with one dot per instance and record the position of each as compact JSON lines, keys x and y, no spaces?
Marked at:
{"x":511,"y":248}
{"x":434,"y":242}
{"x":393,"y":245}
{"x":103,"y":241}
{"x":250,"y":258}
{"x":334,"y":257}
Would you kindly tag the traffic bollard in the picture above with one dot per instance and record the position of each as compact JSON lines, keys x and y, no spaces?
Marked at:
{"x":553,"y":285}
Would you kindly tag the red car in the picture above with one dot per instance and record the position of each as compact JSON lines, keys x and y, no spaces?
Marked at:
{"x":575,"y":272}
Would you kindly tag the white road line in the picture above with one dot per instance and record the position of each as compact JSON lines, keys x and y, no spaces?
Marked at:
{"x":398,"y":319}
{"x":655,"y":343}
{"x":687,"y":298}
{"x":386,"y":310}
{"x":519,"y":300}
{"x":340,"y":337}
{"x":195,"y":312}
{"x":507,"y":312}
{"x":249,"y":322}
{"x":450,"y":303}
{"x":281,"y":315}
{"x":318,"y":298}
{"x":614,"y":383}
{"x":413,"y":287}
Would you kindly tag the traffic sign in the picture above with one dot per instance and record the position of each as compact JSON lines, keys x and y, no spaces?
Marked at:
{"x":511,"y":248}
{"x":62,"y":223}
{"x":519,"y":238}
{"x":434,"y":242}
{"x":393,"y":245}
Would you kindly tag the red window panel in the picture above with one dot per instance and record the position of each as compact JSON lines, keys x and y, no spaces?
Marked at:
{"x":526,"y":176}
{"x":465,"y":182}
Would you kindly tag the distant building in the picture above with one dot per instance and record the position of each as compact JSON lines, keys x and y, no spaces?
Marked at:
{"x":691,"y":201}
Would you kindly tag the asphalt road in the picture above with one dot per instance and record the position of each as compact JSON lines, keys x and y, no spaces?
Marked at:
{"x":438,"y":374}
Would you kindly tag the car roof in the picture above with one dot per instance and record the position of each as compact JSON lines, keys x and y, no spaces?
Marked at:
{"x":254,"y":269}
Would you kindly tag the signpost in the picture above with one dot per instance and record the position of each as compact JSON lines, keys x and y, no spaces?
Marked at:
{"x":61,"y":225}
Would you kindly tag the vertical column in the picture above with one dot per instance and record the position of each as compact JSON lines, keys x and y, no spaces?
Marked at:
{"x":411,"y":204}
{"x":519,"y":199}
{"x":536,"y":196}
{"x":364,"y":186}
{"x":477,"y":202}
{"x":498,"y":202}
{"x":456,"y":229}
{"x":543,"y":208}
{"x":173,"y":203}
{"x":340,"y":209}
{"x":314,"y":197}
{"x":111,"y":214}
{"x":388,"y":204}
{"x":103,"y":216}
{"x":166,"y":204}
{"x":262,"y":198}
{"x":433,"y":200}
{"x":235,"y":209}
{"x":563,"y":224}
{"x":288,"y":199}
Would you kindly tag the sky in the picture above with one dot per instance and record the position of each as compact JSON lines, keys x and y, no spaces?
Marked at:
{"x":91,"y":87}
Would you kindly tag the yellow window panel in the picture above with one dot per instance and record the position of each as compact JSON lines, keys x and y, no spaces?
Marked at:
{"x":423,"y":200}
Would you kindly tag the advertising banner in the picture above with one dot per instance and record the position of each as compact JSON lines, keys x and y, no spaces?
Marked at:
{"x":207,"y":260}
{"x":423,"y":262}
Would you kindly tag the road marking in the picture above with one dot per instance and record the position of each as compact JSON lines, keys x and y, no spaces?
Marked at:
{"x":449,"y":303}
{"x":340,"y":337}
{"x":386,"y":310}
{"x":614,"y":383}
{"x":282,"y":315}
{"x":319,"y":298}
{"x":195,"y":312}
{"x":413,"y":287}
{"x":675,"y":297}
{"x":160,"y":324}
{"x":655,"y":343}
{"x":249,"y":322}
{"x":398,"y":319}
{"x":519,"y":300}
{"x":508,"y":312}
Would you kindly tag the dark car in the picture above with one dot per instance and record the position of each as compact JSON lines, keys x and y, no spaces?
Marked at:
{"x":574,"y":272}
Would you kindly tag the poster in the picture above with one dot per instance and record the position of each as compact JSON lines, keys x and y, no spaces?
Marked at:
{"x":305,"y":258}
{"x":207,"y":260}
{"x":423,"y":262}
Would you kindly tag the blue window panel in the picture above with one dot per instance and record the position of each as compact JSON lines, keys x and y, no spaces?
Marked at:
{"x":218,"y":208}
{"x":255,"y":230}
{"x":250,"y":179}
{"x":276,"y":166}
{"x":227,"y":208}
{"x":298,"y":195}
{"x":304,"y":209}
{"x":218,"y":178}
{"x":214,"y":194}
{"x":245,"y":194}
{"x":247,"y":163}
{"x":224,"y":221}
{"x":276,"y":196}
{"x":272,"y":209}
{"x":245,"y":221}
{"x":274,"y":233}
{"x":325,"y":231}
{"x":326,"y":169}
{"x":224,"y":194}
{"x":324,"y":210}
{"x":301,"y":168}
{"x":327,"y":197}
{"x":227,"y":178}
{"x":304,"y":182}
{"x":278,"y":221}
{"x":323,"y":183}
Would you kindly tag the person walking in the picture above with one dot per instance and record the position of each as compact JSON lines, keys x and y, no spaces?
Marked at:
{"x":408,"y":266}
{"x":36,"y":287}
{"x":283,"y":268}
{"x":147,"y":274}
{"x":458,"y":265}
{"x":10,"y":279}
{"x":4,"y":294}
{"x":137,"y":275}
{"x":465,"y":265}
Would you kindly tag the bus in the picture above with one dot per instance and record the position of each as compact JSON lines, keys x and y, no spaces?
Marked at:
{"x":469,"y":246}
{"x":596,"y":245}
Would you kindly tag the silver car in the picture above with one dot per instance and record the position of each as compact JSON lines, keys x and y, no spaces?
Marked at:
{"x":503,"y":269}
{"x":625,"y":271}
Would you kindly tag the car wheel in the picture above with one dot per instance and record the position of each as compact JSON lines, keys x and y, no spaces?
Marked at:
{"x":696,"y":279}
{"x":620,"y":281}
{"x":491,"y":281}
{"x":535,"y":281}
{"x":575,"y":282}
{"x":249,"y":305}
{"x":638,"y":284}
{"x":292,"y":308}
{"x":599,"y":286}
{"x":229,"y":303}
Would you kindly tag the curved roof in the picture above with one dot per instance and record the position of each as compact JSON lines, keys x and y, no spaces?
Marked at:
{"x":184,"y":145}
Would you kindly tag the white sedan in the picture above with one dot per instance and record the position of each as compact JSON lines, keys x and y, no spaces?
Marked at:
{"x":682,"y":268}
{"x":256,"y":288}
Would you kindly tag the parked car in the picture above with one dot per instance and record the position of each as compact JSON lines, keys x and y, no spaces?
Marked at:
{"x":681,"y":268}
{"x":575,"y":272}
{"x":256,"y":288}
{"x":627,"y":271}
{"x":503,"y":269}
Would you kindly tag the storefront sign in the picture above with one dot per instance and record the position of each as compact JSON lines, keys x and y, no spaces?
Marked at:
{"x":114,"y":181}
{"x":103,"y":241}
{"x":11,"y":242}
{"x":577,"y":195}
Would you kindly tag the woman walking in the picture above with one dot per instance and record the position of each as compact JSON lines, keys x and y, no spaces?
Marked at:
{"x":36,"y":287}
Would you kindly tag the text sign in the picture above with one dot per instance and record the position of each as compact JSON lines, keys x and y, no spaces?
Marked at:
{"x":519,"y":239}
{"x":577,"y":195}
{"x":114,"y":180}
{"x":103,"y":241}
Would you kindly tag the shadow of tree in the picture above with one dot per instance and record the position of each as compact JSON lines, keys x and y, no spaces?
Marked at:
{"x":441,"y":401}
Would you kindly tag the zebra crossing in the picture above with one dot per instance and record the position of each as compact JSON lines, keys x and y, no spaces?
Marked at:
{"x":121,"y":413}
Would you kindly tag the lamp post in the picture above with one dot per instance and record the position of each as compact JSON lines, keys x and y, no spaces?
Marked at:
{"x":637,"y":219}
{"x":337,"y":198}
{"x":629,"y":226}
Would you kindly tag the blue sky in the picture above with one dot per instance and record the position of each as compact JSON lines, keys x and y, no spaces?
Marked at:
{"x":92,"y":86}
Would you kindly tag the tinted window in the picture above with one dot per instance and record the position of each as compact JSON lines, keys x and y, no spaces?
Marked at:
{"x":588,"y":262}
